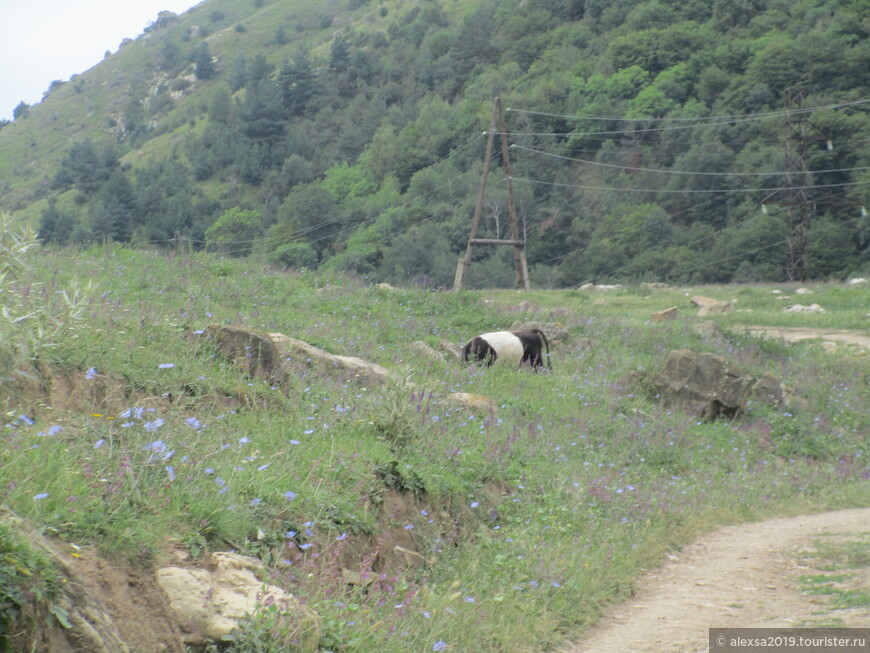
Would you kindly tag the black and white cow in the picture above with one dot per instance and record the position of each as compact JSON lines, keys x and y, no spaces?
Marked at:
{"x":509,"y":346}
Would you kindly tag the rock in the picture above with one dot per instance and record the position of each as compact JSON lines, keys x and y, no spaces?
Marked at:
{"x":655,"y":285}
{"x":800,"y":308}
{"x":451,"y":349}
{"x":600,"y":288}
{"x":856,"y":282}
{"x":412,"y":558}
{"x":703,"y":384}
{"x":251,"y":349}
{"x":666,"y":314}
{"x":210,"y":603}
{"x":386,"y":286}
{"x":710,"y":330}
{"x":470,"y":400}
{"x":716,"y":308}
{"x":368,"y":372}
{"x":803,"y":291}
{"x":422,"y":348}
{"x":555,"y":331}
{"x":770,"y":391}
{"x":700,"y":300}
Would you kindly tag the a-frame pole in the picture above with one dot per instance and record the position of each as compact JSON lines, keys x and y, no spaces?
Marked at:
{"x":519,"y":253}
{"x":522,"y":273}
{"x":465,"y":262}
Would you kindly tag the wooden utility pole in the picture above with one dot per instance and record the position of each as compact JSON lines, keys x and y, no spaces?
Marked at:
{"x":797,"y":202}
{"x":522,"y":271}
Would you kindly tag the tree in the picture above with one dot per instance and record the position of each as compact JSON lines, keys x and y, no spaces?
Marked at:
{"x":235,"y":231}
{"x":202,"y":60}
{"x":21,"y":111}
{"x":298,"y":83}
{"x":55,"y":226}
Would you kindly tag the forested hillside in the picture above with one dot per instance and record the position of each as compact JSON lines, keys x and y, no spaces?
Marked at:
{"x":668,"y":140}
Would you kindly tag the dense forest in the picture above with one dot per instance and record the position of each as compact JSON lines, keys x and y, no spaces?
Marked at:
{"x":655,"y":140}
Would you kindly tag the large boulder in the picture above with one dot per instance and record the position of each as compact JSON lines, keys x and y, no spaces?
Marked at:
{"x":251,"y":349}
{"x":360,"y":369}
{"x":209,"y":603}
{"x":704,"y":384}
{"x":556,"y":332}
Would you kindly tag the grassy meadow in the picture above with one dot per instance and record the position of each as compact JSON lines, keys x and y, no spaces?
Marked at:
{"x":530,"y":518}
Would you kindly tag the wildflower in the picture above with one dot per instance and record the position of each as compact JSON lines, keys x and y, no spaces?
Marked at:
{"x":99,"y":443}
{"x":158,"y":446}
{"x":166,"y":366}
{"x":474,"y":504}
{"x":53,"y":430}
{"x":91,"y":374}
{"x":439,"y":646}
{"x":341,"y":537}
{"x":289,"y":495}
{"x":193,"y":423}
{"x":294,"y":442}
{"x":262,"y":467}
{"x":290,"y":535}
{"x":209,"y":470}
{"x":153,"y":425}
{"x":255,"y":502}
{"x":305,"y":546}
{"x":244,"y":440}
{"x":170,"y":472}
{"x":39,"y":496}
{"x":27,"y":420}
{"x":409,"y":527}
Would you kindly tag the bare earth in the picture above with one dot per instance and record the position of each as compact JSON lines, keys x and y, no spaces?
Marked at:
{"x":738,"y":577}
{"x":797,"y":334}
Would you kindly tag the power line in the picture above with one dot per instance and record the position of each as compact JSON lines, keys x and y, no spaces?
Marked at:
{"x":688,"y":191}
{"x":677,"y":172}
{"x":747,"y":116}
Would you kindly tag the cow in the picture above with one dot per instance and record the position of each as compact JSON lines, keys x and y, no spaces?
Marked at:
{"x":509,"y":346}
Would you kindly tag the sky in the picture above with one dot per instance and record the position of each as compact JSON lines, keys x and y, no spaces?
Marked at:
{"x":45,"y":40}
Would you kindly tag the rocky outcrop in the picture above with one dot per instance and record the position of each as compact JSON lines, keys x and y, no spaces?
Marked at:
{"x":291,"y":349}
{"x":708,"y":385}
{"x":209,"y":603}
{"x":271,"y":355}
{"x":251,"y":349}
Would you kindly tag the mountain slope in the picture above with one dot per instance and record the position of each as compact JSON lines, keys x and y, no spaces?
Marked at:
{"x":650,"y":138}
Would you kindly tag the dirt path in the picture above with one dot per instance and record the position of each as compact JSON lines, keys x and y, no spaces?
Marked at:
{"x":740,"y":576}
{"x":796,"y":334}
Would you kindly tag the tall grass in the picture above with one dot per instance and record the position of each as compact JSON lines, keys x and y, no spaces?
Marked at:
{"x":530,"y":518}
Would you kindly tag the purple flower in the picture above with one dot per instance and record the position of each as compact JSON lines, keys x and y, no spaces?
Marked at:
{"x":262,"y":467}
{"x":289,"y":495}
{"x":158,"y":446}
{"x":99,"y":443}
{"x":194,"y":423}
{"x":474,"y":504}
{"x":153,"y":425}
{"x":341,"y":537}
{"x":439,"y":646}
{"x":170,"y":472}
{"x":91,"y":374}
{"x":305,"y":546}
{"x":41,"y":495}
{"x":244,"y":440}
{"x":166,"y":366}
{"x":255,"y":502}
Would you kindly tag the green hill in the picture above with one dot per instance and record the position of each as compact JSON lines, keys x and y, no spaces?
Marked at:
{"x":650,"y":139}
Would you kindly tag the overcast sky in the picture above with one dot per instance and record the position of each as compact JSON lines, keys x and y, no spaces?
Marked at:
{"x":45,"y":40}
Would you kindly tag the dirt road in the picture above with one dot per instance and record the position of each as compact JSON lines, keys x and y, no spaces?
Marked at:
{"x":740,"y":576}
